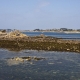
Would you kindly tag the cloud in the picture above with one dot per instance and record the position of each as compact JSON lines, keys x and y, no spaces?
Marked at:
{"x":42,"y":5}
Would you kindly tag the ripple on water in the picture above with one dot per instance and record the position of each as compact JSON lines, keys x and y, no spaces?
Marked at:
{"x":39,"y":65}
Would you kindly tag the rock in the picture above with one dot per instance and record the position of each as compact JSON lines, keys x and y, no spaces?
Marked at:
{"x":18,"y":59}
{"x":42,"y":35}
{"x":68,"y":49}
{"x":15,"y":34}
{"x":2,"y":34}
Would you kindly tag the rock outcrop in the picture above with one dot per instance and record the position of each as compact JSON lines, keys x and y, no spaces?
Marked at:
{"x":15,"y":34}
{"x":42,"y":35}
{"x":2,"y":33}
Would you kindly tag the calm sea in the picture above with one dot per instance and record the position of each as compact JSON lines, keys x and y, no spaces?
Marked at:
{"x":54,"y":34}
{"x":53,"y":65}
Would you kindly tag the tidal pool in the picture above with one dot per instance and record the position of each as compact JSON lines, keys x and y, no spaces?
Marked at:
{"x":39,"y":65}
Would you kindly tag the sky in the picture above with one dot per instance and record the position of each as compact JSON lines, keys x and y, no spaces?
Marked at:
{"x":39,"y":14}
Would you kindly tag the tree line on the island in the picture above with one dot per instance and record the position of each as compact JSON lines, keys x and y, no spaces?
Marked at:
{"x":61,"y":29}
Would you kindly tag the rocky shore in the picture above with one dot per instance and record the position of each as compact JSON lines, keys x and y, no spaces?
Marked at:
{"x":17,"y":41}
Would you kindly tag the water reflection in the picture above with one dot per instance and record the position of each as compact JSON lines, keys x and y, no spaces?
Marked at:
{"x":39,"y":65}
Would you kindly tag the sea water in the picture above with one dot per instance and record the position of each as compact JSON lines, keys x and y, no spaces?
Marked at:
{"x":52,"y":66}
{"x":54,"y":34}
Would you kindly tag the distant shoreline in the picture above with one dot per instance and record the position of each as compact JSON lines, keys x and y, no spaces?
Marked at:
{"x":55,"y":31}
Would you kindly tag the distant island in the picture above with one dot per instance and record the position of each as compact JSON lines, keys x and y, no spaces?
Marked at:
{"x":61,"y":30}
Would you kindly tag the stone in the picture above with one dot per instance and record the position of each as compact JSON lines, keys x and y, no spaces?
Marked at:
{"x":15,"y":34}
{"x":42,"y":35}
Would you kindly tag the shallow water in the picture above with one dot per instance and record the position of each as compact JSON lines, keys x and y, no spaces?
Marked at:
{"x":52,"y":66}
{"x":55,"y":34}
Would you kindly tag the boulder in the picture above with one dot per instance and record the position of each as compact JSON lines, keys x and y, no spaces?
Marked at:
{"x":42,"y":35}
{"x":15,"y":34}
{"x":2,"y":33}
